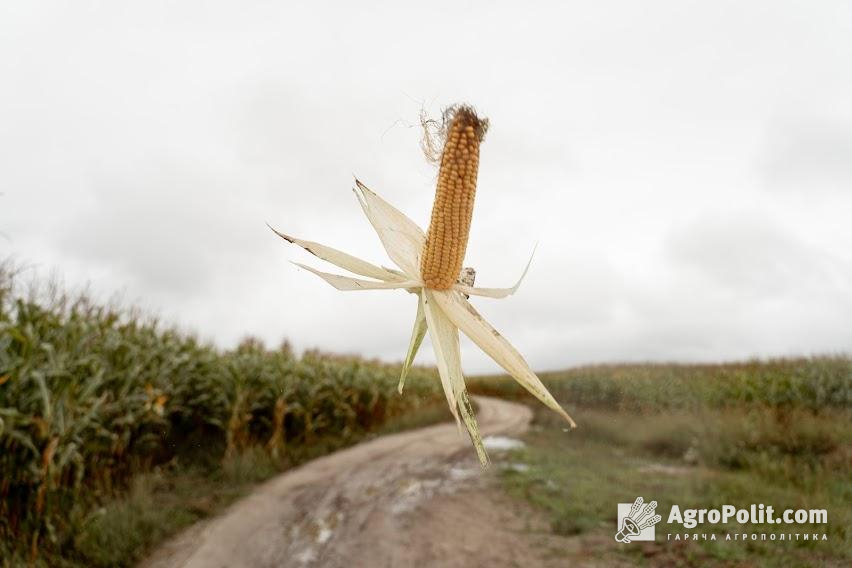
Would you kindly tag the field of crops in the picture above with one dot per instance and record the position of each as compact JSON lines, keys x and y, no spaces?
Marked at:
{"x":91,"y":395}
{"x":815,"y":384}
{"x":773,"y":431}
{"x":94,"y":399}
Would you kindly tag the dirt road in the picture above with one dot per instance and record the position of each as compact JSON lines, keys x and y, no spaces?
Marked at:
{"x":413,"y":499}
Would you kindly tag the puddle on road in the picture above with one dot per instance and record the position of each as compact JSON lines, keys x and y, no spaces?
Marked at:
{"x":460,"y":473}
{"x":412,"y":493}
{"x":319,"y":532}
{"x":501,"y":443}
{"x":433,"y":481}
{"x":306,"y":556}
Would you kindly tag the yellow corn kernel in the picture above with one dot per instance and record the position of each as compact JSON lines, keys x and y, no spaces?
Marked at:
{"x":452,"y":210}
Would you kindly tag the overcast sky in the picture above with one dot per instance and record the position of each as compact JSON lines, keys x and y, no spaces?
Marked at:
{"x":686,"y":167}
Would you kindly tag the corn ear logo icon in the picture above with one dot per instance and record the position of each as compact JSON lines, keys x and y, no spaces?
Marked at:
{"x":636,"y":520}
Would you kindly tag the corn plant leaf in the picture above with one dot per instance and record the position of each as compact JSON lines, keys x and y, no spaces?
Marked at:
{"x":462,"y":314}
{"x":439,"y":331}
{"x":497,"y":293}
{"x":445,"y":340}
{"x":349,"y":284}
{"x":401,"y":237}
{"x":417,"y":335}
{"x":342,"y":260}
{"x":466,"y":409}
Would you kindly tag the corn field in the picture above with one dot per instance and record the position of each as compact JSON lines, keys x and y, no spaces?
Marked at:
{"x":92,"y":394}
{"x":815,"y":384}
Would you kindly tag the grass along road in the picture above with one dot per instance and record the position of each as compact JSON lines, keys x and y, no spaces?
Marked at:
{"x":693,"y":461}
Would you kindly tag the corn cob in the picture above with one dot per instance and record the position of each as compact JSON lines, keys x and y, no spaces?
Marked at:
{"x":431,"y":267}
{"x":452,"y":210}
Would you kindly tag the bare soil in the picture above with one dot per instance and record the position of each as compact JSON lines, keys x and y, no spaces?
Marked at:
{"x":417,"y":498}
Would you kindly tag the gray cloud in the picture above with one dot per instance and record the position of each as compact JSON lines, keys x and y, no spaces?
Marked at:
{"x":809,"y":156}
{"x":748,"y":254}
{"x":143,"y":147}
{"x":168,"y":229}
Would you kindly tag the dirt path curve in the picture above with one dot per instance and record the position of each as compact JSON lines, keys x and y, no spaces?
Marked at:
{"x":380,"y":503}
